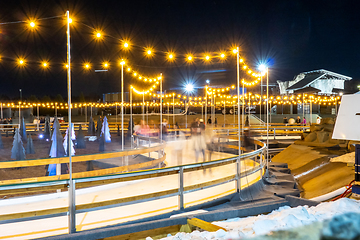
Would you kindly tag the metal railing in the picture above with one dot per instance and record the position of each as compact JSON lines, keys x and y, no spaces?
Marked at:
{"x":80,"y":182}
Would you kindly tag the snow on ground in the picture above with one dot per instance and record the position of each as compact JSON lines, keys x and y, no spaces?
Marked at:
{"x":280,"y":219}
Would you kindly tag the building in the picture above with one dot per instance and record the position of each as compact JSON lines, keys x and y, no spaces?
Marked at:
{"x":320,"y":81}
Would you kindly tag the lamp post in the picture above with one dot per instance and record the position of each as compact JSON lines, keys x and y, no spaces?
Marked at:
{"x":206,"y":99}
{"x":131,"y":119}
{"x":265,"y":69}
{"x":72,"y":217}
{"x":161,"y":107}
{"x":122,"y":104}
{"x":238,"y":162}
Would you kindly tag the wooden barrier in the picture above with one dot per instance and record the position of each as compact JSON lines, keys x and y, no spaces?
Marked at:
{"x":82,"y":158}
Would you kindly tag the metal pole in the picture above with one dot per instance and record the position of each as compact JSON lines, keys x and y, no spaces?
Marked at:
{"x":147,"y":114}
{"x":234,"y":112}
{"x":249,"y":108}
{"x":2,"y":115}
{"x":85,"y":113}
{"x":122,"y":107}
{"x":91,"y":111}
{"x":143,"y":107}
{"x":267,"y":118}
{"x":55,"y":110}
{"x":72,"y":223}
{"x":185,"y":115}
{"x":131,"y":119}
{"x":260,"y":95}
{"x":38,"y":117}
{"x":181,"y":188}
{"x":19,"y":113}
{"x":303,"y":107}
{"x":238,"y":167}
{"x":243,"y":105}
{"x":224,"y":111}
{"x":202,"y":111}
{"x":311,"y":112}
{"x":161,"y":107}
{"x":116,"y":112}
{"x":173,"y":109}
{"x":206,"y":101}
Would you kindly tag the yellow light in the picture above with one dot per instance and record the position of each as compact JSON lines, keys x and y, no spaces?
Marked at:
{"x":126,"y":45}
{"x":106,"y":65}
{"x":222,"y":55}
{"x":241,"y":60}
{"x":207,"y":58}
{"x":171,"y":56}
{"x":21,"y":62}
{"x":149,"y":52}
{"x":98,"y":35}
{"x":32,"y":24}
{"x":70,"y":20}
{"x":135,"y":74}
{"x":122,"y":63}
{"x":87,"y":66}
{"x":129,"y":69}
{"x":235,"y":50}
{"x":44,"y":64}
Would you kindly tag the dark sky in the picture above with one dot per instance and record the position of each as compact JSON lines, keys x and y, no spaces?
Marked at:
{"x":291,"y":35}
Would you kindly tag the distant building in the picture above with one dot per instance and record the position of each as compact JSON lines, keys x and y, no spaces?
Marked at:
{"x":321,"y":81}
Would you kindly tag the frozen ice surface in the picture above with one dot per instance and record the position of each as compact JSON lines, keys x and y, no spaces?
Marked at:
{"x":279,"y":219}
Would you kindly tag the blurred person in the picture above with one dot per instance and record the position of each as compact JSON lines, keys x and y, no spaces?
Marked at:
{"x":196,"y":140}
{"x":209,"y":120}
{"x":285,"y":120}
{"x":164,"y":129}
{"x":215,"y":122}
{"x":247,"y":123}
{"x":304,"y":121}
{"x":318,"y":120}
{"x":179,"y":144}
{"x":298,"y":120}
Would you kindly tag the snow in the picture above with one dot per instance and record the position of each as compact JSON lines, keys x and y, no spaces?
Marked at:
{"x":280,"y":219}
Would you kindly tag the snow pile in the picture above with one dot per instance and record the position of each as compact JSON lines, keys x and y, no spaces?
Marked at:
{"x":280,"y":219}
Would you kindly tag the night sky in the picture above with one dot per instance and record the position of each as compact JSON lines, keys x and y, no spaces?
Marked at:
{"x":292,"y":36}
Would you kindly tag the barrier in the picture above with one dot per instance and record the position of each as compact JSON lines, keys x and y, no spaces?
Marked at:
{"x":113,"y":175}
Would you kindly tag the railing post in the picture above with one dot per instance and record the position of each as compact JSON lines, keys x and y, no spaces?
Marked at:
{"x":274,"y":133}
{"x":238,"y":179}
{"x":181,"y":188}
{"x":261,"y":169}
{"x":159,"y":156}
{"x":137,"y":142}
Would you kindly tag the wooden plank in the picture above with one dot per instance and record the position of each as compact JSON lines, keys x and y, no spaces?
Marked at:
{"x":156,"y":233}
{"x":204,"y":225}
{"x":209,"y":166}
{"x":126,"y":200}
{"x":33,"y":189}
{"x":82,"y":158}
{"x":33,"y":213}
{"x":210,"y":183}
{"x":86,"y":205}
{"x":94,"y":173}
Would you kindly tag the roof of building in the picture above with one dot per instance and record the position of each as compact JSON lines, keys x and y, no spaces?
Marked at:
{"x":314,"y":75}
{"x":309,"y":78}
